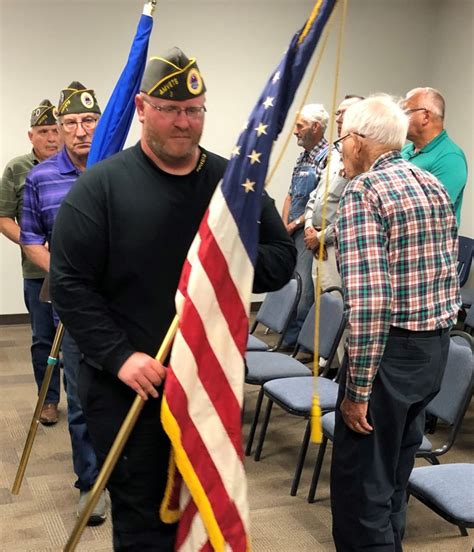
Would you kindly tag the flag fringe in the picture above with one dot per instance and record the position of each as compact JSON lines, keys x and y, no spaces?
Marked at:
{"x":191,"y":480}
{"x":168,"y":514}
{"x":310,"y":20}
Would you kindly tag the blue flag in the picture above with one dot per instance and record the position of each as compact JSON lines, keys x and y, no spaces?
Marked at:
{"x":113,"y":127}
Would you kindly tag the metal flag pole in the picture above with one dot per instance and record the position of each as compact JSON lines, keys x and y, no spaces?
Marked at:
{"x":117,"y":447}
{"x":52,"y":361}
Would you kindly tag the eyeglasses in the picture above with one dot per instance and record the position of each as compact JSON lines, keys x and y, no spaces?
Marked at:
{"x":88,"y":124}
{"x":410,"y":111}
{"x":338,"y":143}
{"x":173,"y":111}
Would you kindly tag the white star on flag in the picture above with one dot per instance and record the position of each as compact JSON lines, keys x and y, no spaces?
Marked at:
{"x":254,"y":157}
{"x":235,"y":151}
{"x":268,"y":102}
{"x":261,"y":129}
{"x":249,"y":186}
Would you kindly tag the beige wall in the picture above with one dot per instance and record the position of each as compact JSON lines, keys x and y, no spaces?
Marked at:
{"x":390,"y":46}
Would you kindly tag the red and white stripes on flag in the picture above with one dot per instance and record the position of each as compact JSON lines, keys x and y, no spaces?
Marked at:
{"x":203,"y":393}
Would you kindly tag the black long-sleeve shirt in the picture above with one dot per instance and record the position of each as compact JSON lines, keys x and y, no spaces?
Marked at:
{"x":119,"y":243}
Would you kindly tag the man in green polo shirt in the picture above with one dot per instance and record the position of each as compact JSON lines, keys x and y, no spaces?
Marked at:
{"x":431,"y":148}
{"x":44,"y":137}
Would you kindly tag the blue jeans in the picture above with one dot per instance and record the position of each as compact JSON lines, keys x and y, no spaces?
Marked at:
{"x":42,"y":337}
{"x":304,"y":263}
{"x":83,"y":455}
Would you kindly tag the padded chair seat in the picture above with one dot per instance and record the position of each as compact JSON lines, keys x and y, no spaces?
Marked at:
{"x":264,"y":367}
{"x":255,"y":344}
{"x":460,"y":341}
{"x":448,"y":487}
{"x":297,"y":393}
{"x":426,"y":445}
{"x":328,"y":422}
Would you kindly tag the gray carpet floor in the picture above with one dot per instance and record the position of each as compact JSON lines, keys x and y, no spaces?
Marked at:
{"x":42,"y":516}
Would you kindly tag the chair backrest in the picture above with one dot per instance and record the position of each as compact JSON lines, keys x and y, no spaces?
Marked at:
{"x":332,"y":322}
{"x":278,"y":307}
{"x":452,"y":401}
{"x":465,"y":253}
{"x":469,"y":320}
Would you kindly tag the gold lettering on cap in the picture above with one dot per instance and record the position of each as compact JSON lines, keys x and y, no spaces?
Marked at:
{"x":170,"y":84}
{"x":65,"y":105}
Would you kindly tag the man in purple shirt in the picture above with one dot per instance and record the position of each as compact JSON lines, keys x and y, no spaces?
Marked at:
{"x":45,"y":188}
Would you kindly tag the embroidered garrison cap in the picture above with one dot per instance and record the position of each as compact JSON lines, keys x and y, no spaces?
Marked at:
{"x":172,"y":77}
{"x":43,"y":114}
{"x":76,"y":98}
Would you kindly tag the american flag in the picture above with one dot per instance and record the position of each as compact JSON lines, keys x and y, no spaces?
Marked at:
{"x":203,"y":395}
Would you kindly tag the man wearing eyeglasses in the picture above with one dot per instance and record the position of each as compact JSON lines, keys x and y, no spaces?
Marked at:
{"x":45,"y":140}
{"x":430,"y":147}
{"x":46,"y":187}
{"x":396,"y":241}
{"x":313,"y":215}
{"x":119,"y":246}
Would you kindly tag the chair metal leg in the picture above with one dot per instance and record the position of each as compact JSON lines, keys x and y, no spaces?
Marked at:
{"x":253,"y":427}
{"x":301,"y":459}
{"x":463,"y":530}
{"x":317,"y":470}
{"x":263,"y":431}
{"x":432,"y":459}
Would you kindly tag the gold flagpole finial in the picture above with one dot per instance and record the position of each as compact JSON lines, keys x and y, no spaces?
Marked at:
{"x":149,"y":7}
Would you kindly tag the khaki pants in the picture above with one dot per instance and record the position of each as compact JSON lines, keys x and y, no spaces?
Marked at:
{"x":329,"y":274}
{"x":329,"y":277}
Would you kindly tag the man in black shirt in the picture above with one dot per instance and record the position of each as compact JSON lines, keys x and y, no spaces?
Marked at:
{"x":119,"y":243}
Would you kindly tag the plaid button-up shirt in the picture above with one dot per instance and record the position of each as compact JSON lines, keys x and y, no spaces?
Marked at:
{"x":313,"y":157}
{"x":397,"y":251}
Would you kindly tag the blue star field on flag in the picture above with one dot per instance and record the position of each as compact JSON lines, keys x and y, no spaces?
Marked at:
{"x":250,"y":157}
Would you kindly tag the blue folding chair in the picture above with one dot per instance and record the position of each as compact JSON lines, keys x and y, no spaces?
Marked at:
{"x":276,"y":313}
{"x":447,"y":490}
{"x":295,"y":395}
{"x":465,"y":253}
{"x":449,"y":405}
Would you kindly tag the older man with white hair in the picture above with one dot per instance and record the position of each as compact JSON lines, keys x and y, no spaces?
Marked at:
{"x":309,"y":130}
{"x":430,"y":147}
{"x":396,"y":242}
{"x":321,"y":202}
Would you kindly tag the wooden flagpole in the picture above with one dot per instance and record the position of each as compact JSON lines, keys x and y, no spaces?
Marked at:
{"x":52,"y":362}
{"x":117,"y":447}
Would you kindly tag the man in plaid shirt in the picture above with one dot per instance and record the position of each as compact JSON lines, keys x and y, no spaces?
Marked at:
{"x":396,"y":240}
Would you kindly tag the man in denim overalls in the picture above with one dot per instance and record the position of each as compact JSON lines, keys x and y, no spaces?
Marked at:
{"x":309,"y":131}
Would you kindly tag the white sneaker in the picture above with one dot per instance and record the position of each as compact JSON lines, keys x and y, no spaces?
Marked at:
{"x":98,"y":515}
